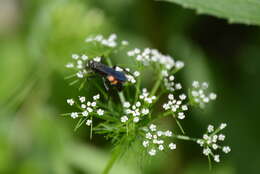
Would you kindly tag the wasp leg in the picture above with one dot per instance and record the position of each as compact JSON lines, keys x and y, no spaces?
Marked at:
{"x":105,"y":84}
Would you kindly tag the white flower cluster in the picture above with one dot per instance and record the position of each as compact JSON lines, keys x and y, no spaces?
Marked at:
{"x":169,"y":82}
{"x":210,"y":140}
{"x":149,"y":55}
{"x":79,"y":65}
{"x":155,"y":140}
{"x":111,"y":41}
{"x":176,"y":105}
{"x":139,"y":109}
{"x":198,"y":93}
{"x":87,"y":107}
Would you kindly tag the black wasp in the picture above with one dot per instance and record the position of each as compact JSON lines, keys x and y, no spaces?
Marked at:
{"x":110,"y":75}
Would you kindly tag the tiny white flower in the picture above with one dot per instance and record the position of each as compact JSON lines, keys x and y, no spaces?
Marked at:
{"x":214,"y":138}
{"x":194,"y":93}
{"x":85,"y":113}
{"x":74,"y":115}
{"x":93,"y":104}
{"x":79,"y":62}
{"x":184,"y":107}
{"x":226,"y":149}
{"x":80,"y":74}
{"x":181,"y":115}
{"x":178,"y":86}
{"x":75,"y":56}
{"x":89,"y":109}
{"x":171,"y":78}
{"x":216,"y":158}
{"x":152,"y":127}
{"x":182,"y":96}
{"x":124,"y":42}
{"x":212,"y":96}
{"x":97,"y":59}
{"x":136,"y":73}
{"x":70,"y":65}
{"x":83,"y":106}
{"x":205,"y":137}
{"x":179,"y":64}
{"x":137,"y":51}
{"x":118,"y":69}
{"x":82,"y":99}
{"x":222,"y":125}
{"x":221,"y":137}
{"x":160,"y":133}
{"x":145,"y":111}
{"x":205,"y":99}
{"x":136,"y":119}
{"x":96,"y":97}
{"x":210,"y":128}
{"x":164,"y":73}
{"x":70,"y":102}
{"x":145,"y":143}
{"x":84,"y":57}
{"x":124,"y":119}
{"x":88,"y":122}
{"x":206,"y":151}
{"x":172,"y":146}
{"x":214,"y":146}
{"x":152,"y":152}
{"x":160,"y":147}
{"x":204,"y":85}
{"x":171,"y":96}
{"x":138,"y":104}
{"x":126,"y":104}
{"x":195,"y":84}
{"x":100,"y":112}
{"x":168,"y":133}
{"x":200,"y":142}
{"x":148,"y":135}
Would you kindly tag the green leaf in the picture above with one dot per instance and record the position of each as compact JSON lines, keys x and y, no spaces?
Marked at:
{"x":235,"y":11}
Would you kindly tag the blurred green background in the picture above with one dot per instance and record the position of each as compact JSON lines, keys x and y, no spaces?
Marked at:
{"x":37,"y":38}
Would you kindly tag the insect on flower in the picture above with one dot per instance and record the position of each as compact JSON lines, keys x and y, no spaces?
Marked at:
{"x":111,"y":75}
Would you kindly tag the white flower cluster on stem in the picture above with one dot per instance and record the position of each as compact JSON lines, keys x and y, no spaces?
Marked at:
{"x":169,"y":82}
{"x":198,"y":93}
{"x":176,"y":105}
{"x":155,"y":140}
{"x":210,"y":140}
{"x":87,"y":108}
{"x":149,"y":55}
{"x":139,"y":109}
{"x":111,"y":41}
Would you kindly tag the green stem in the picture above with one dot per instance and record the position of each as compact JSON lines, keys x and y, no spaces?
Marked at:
{"x":112,"y":160}
{"x":156,"y":85}
{"x":183,"y":137}
{"x":122,"y":97}
{"x":210,"y":166}
{"x":179,"y":124}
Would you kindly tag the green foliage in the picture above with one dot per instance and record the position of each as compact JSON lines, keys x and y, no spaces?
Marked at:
{"x":235,"y":11}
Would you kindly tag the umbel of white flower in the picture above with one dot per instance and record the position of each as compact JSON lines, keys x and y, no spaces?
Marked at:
{"x":156,"y":140}
{"x":87,"y":108}
{"x":138,"y":110}
{"x":210,"y":142}
{"x":198,"y":93}
{"x":176,"y":106}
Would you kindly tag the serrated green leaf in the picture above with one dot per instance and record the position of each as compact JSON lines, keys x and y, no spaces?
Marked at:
{"x":235,"y":11}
